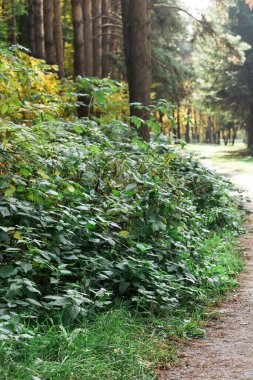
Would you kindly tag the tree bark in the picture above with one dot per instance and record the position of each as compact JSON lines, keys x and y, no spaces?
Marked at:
{"x":187,"y":129}
{"x":88,"y":43}
{"x":31,"y":27}
{"x":97,"y":37}
{"x":13,"y":23}
{"x":115,"y":40}
{"x":59,"y":48}
{"x":178,"y":122}
{"x":49,"y":32}
{"x":250,"y":128}
{"x":77,"y":17}
{"x":137,"y":45}
{"x":106,"y":36}
{"x":39,"y":51}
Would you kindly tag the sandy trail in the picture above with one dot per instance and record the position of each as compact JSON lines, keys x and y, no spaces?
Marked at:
{"x":226,"y":353}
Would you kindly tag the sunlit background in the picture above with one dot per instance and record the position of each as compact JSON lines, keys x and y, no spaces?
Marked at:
{"x":197,"y":6}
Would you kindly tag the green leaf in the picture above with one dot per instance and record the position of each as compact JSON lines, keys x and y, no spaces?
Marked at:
{"x":10,"y":191}
{"x":130,"y":187}
{"x":5,"y":211}
{"x":8,"y":271}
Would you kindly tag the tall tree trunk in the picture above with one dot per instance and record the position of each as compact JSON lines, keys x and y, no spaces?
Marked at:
{"x":13,"y":23}
{"x":97,"y":37}
{"x":59,"y":48}
{"x":65,"y":10}
{"x":77,"y":17}
{"x":49,"y":32}
{"x":31,"y":27}
{"x":115,"y":40}
{"x":137,"y":44}
{"x":39,"y":51}
{"x":187,"y":129}
{"x":250,"y":129}
{"x":178,"y":122}
{"x":88,"y":43}
{"x":208,"y":130}
{"x":106,"y":36}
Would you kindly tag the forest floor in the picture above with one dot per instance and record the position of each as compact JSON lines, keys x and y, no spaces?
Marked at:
{"x":226,"y":352}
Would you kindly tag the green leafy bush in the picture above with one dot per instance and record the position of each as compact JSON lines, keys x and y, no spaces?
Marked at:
{"x":91,"y":215}
{"x":30,"y":90}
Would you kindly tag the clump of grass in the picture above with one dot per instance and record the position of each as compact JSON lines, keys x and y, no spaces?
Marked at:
{"x":116,"y":345}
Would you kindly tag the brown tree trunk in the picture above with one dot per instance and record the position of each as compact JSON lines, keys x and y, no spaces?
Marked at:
{"x":106,"y":36}
{"x":49,"y":32}
{"x":88,"y":43}
{"x":39,"y":51}
{"x":137,"y":43}
{"x":97,"y":37}
{"x":13,"y":23}
{"x":187,"y":129}
{"x":178,"y":122}
{"x":250,"y":129}
{"x":58,"y":37}
{"x":77,"y":17}
{"x":31,"y":27}
{"x":65,"y":10}
{"x":115,"y":40}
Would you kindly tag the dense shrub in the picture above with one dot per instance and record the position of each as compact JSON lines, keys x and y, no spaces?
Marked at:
{"x":30,"y":89}
{"x":90,"y":215}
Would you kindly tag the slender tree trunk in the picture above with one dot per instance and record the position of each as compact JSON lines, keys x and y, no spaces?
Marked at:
{"x":115,"y":40}
{"x":88,"y":43}
{"x":49,"y":32}
{"x":39,"y":51}
{"x":195,"y":128}
{"x":218,"y":137}
{"x":59,"y":48}
{"x":250,"y":128}
{"x":13,"y":23}
{"x":178,"y":123}
{"x":31,"y":27}
{"x":77,"y":17}
{"x":137,"y":44}
{"x":106,"y":36}
{"x":208,"y":130}
{"x":65,"y":10}
{"x":187,"y":129}
{"x":97,"y":37}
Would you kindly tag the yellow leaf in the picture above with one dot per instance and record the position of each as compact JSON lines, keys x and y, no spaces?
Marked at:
{"x":71,"y":189}
{"x":17,"y":235}
{"x":42,"y":174}
{"x":124,"y":233}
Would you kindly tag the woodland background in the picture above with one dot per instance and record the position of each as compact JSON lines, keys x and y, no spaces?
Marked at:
{"x":201,"y":64}
{"x":114,"y":239}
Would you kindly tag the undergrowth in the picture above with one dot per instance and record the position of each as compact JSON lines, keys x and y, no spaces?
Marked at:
{"x":92,"y":216}
{"x":109,"y":246}
{"x":118,"y":344}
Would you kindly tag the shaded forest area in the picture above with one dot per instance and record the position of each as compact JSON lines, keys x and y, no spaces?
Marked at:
{"x":200,"y":64}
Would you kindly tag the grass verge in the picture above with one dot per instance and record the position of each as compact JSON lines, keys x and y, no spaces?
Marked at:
{"x":120,"y":345}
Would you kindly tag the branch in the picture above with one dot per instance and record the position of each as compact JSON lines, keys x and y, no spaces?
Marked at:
{"x":205,"y":24}
{"x":177,"y":9}
{"x":110,"y":24}
{"x":106,"y":34}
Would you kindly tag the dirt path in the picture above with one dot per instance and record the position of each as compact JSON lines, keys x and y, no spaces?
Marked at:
{"x":226,"y":353}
